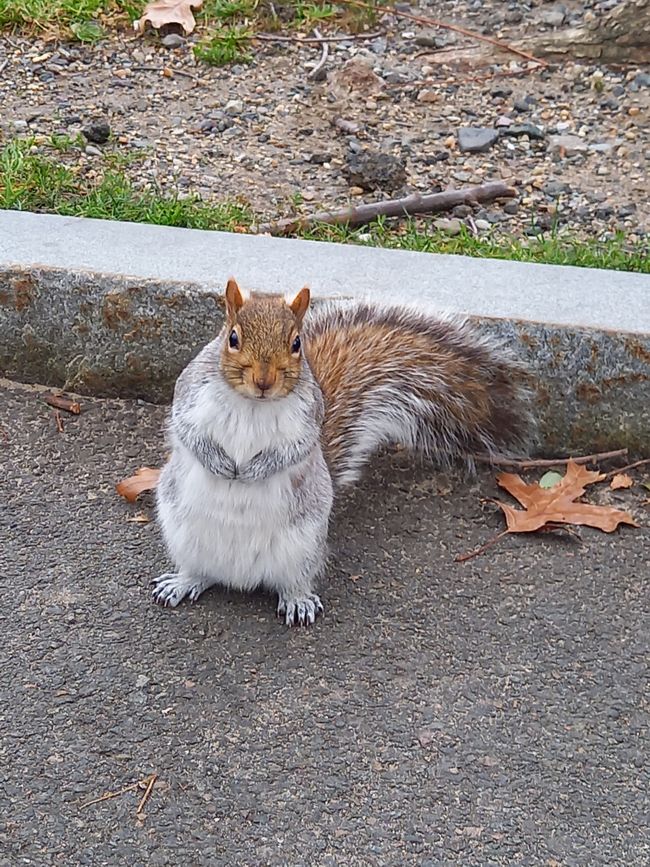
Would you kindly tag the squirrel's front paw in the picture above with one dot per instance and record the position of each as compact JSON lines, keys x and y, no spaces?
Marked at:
{"x":299,"y":610}
{"x":172,"y":587}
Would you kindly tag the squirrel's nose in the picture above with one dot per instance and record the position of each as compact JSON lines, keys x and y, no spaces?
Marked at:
{"x":265,"y":381}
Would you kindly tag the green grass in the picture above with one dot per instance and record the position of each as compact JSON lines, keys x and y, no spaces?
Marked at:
{"x":554,"y":248}
{"x":75,"y":18}
{"x":45,"y":176}
{"x":225,"y":45}
{"x":224,"y":25}
{"x":36,"y":182}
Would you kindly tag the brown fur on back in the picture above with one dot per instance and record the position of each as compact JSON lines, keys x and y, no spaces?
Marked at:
{"x":454,"y":392}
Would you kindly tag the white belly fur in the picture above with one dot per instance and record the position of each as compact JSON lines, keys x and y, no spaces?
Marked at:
{"x":234,"y":533}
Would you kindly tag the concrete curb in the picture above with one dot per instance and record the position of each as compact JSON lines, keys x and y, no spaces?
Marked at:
{"x":118,"y":308}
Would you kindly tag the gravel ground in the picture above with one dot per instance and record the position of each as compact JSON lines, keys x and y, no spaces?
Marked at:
{"x":487,"y":713}
{"x":267,"y":133}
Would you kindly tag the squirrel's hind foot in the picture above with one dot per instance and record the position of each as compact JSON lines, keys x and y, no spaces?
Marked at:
{"x":299,"y":610}
{"x":172,"y":587}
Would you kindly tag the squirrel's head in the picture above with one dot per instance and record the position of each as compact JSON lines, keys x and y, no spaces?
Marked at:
{"x":262,"y":352}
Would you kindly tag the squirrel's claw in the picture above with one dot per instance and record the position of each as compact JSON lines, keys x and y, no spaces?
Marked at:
{"x":171,"y":588}
{"x":300,"y":610}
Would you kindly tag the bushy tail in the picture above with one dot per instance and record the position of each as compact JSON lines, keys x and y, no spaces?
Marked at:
{"x":396,"y":376}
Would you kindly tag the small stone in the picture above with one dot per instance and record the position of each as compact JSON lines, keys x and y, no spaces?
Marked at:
{"x":555,"y":188}
{"x":462,"y":211}
{"x":640,"y":80}
{"x":554,"y":16}
{"x":483,"y":225}
{"x":511,"y":208}
{"x":567,"y":145}
{"x":604,"y":212}
{"x":92,"y":151}
{"x":520,"y":129}
{"x":524,"y":103}
{"x":627,"y":210}
{"x":235,"y":106}
{"x":172,"y":40}
{"x":20,"y":124}
{"x":514,"y":16}
{"x":141,"y":681}
{"x":476,"y":139}
{"x":610,"y":104}
{"x":373,"y":170}
{"x":503,"y":120}
{"x":320,"y":159}
{"x":500,"y":91}
{"x":449,"y":227}
{"x":427,"y":96}
{"x":98,"y":131}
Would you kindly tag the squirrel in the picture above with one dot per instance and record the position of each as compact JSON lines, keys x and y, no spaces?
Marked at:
{"x":284,"y":408}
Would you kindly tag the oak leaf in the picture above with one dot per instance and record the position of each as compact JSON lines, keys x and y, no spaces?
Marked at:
{"x":559,"y":504}
{"x":621,"y":480}
{"x":144,"y":479}
{"x":159,"y":13}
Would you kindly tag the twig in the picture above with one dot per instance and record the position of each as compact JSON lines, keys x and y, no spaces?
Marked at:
{"x":461,"y":558}
{"x":436,"y":22}
{"x":318,"y":72}
{"x":60,"y":401}
{"x":413,"y":204}
{"x":272,"y":37}
{"x":524,"y":464}
{"x":110,"y":795}
{"x":150,"y":784}
{"x":162,"y":69}
{"x":58,"y":421}
{"x":4,"y":65}
{"x":640,"y":463}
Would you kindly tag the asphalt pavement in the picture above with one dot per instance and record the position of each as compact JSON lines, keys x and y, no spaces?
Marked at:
{"x":493,"y":712}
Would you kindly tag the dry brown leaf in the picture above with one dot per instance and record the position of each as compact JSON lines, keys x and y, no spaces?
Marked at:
{"x":159,"y":13}
{"x":558,"y":505}
{"x":145,"y":479}
{"x":621,"y":480}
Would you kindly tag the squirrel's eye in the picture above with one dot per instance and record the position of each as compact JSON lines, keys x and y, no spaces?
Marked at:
{"x":233,"y":340}
{"x":295,"y":346}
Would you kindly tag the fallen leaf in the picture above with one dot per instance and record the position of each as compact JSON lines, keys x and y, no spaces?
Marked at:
{"x":60,"y":401}
{"x":558,"y":505}
{"x":621,"y":480}
{"x":159,"y":13}
{"x":550,"y":479}
{"x":145,"y":479}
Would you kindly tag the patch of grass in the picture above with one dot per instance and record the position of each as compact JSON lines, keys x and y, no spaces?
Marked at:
{"x":226,"y":45}
{"x":45,"y":177}
{"x":35,"y":182}
{"x":236,"y":20}
{"x":556,"y":248}
{"x":313,"y":13}
{"x":56,"y":15}
{"x":226,"y":10}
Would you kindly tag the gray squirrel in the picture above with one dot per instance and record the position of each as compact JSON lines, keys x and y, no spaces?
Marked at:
{"x":284,"y":407}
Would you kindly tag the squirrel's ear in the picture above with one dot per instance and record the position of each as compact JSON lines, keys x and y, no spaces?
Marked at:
{"x":234,"y":299}
{"x":300,"y":303}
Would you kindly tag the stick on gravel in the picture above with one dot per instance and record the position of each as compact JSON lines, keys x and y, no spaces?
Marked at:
{"x":436,"y":22}
{"x":406,"y":207}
